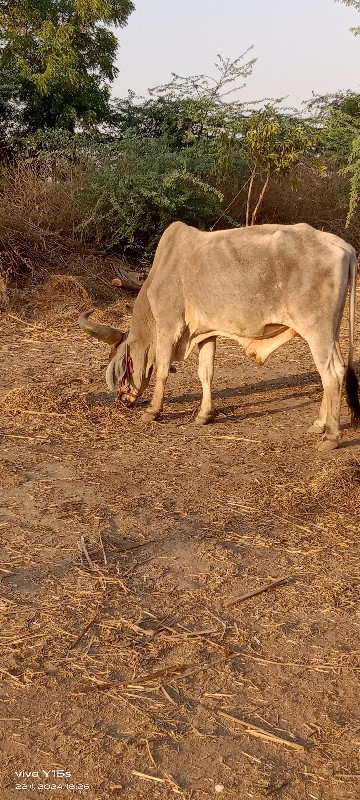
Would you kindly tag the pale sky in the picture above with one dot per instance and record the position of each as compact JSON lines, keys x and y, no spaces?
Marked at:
{"x":300,"y":45}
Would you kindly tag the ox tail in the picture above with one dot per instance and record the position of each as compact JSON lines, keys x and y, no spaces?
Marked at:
{"x":351,"y":381}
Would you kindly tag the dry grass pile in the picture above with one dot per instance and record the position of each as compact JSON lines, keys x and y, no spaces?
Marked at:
{"x":30,"y":254}
{"x":26,"y":249}
{"x":336,"y":480}
{"x":59,"y":296}
{"x":43,"y":270}
{"x":39,"y":238}
{"x":336,"y":486}
{"x":41,"y":400}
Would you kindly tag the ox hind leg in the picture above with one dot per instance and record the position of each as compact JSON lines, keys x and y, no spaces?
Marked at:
{"x":206,"y":372}
{"x":318,"y":426}
{"x":330,"y":365}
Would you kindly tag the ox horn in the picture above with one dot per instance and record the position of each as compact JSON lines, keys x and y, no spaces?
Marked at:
{"x":105,"y":333}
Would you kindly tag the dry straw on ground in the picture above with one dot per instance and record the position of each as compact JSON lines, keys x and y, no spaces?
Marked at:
{"x":121,"y":547}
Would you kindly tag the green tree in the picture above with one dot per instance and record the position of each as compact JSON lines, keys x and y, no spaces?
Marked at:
{"x":134,"y":188}
{"x":355,"y":4}
{"x":238,"y":140}
{"x":353,"y":166}
{"x":61,"y":56}
{"x":336,"y":118}
{"x":275,"y":143}
{"x":204,"y":114}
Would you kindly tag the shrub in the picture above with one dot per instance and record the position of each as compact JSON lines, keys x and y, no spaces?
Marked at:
{"x":136,"y":187}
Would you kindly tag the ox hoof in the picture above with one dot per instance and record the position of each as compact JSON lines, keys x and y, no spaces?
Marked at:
{"x":149,"y":416}
{"x":204,"y":419}
{"x":327,"y":444}
{"x":316,"y":427}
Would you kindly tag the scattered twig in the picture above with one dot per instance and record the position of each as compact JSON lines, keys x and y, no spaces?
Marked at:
{"x":146,"y":777}
{"x":237,"y":439}
{"x":151,"y":755}
{"x":40,"y":413}
{"x":103,"y":550}
{"x":85,"y":630}
{"x":266,"y":588}
{"x":166,"y":694}
{"x":260,"y":733}
{"x":85,"y":552}
{"x":134,"y":627}
{"x":27,"y":438}
{"x":23,"y":321}
{"x":177,"y":669}
{"x":249,"y":756}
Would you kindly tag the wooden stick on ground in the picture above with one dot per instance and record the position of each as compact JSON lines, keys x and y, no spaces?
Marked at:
{"x":241,"y":597}
{"x":147,"y":777}
{"x":127,"y":283}
{"x":85,"y":630}
{"x":261,"y":733}
{"x":85,"y":552}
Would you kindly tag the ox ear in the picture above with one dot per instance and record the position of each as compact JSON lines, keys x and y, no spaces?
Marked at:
{"x":115,"y":371}
{"x":117,"y":344}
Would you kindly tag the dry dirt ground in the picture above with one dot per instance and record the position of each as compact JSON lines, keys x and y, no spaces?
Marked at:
{"x":129,"y":654}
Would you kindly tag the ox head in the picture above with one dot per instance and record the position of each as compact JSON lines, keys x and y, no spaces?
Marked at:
{"x":130,"y":362}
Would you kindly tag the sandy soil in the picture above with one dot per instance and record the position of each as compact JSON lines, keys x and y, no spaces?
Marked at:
{"x":129,"y":657}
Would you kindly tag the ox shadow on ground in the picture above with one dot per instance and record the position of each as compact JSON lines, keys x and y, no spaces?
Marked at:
{"x":300,"y":382}
{"x":99,"y":399}
{"x":351,"y":443}
{"x":304,"y":387}
{"x":234,"y":413}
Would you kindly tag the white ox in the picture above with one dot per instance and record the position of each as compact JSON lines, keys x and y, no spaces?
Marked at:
{"x":260,"y":286}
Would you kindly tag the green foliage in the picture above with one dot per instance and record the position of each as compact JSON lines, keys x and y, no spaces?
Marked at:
{"x":60,"y":54}
{"x":197,"y":113}
{"x":174,"y":156}
{"x":337,"y":118}
{"x":204,"y":116}
{"x":353,"y":170}
{"x":355,"y":4}
{"x":134,"y":188}
{"x":180,"y":120}
{"x":275,"y":141}
{"x":353,"y":165}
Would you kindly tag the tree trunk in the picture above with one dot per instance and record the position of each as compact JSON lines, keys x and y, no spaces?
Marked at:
{"x":260,"y":199}
{"x":249,"y":196}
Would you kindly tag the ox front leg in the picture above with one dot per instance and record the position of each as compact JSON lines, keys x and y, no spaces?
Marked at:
{"x":206,"y":372}
{"x":163,"y":361}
